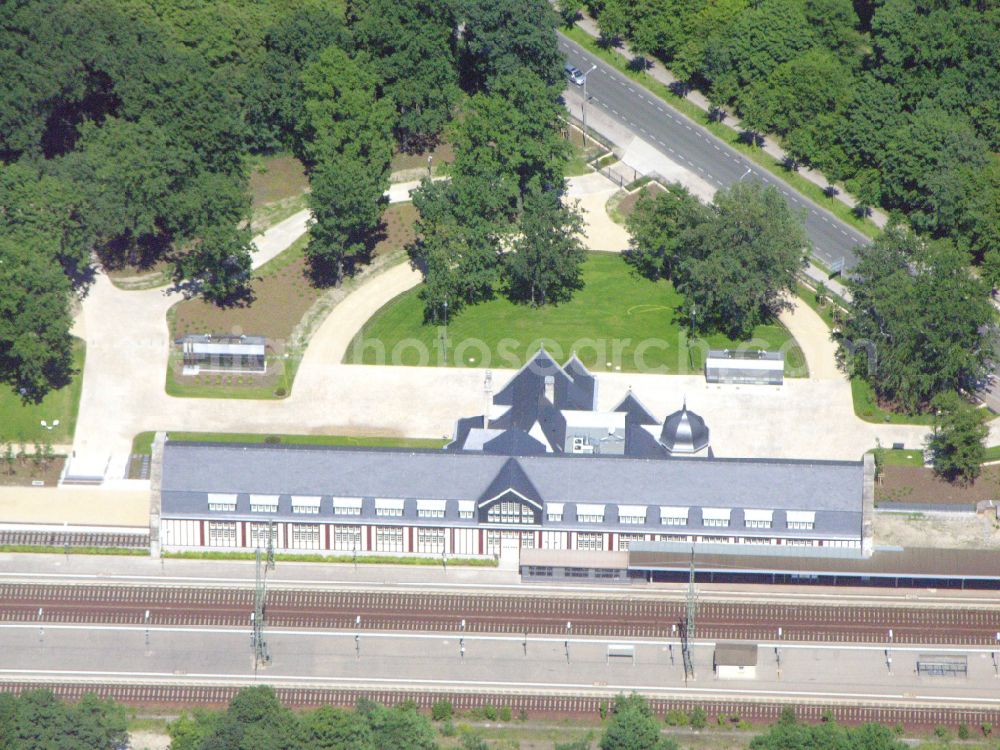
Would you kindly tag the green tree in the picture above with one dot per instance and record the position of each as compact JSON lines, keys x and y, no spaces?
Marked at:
{"x":189,"y":731}
{"x":761,"y":38}
{"x":990,"y":268}
{"x":794,"y":736}
{"x":401,"y":728}
{"x":329,"y":728}
{"x":273,"y":89}
{"x":741,"y":264}
{"x":255,"y":720}
{"x":36,"y":353}
{"x":957,"y":444}
{"x":343,"y":114}
{"x":569,"y":11}
{"x":412,"y":45}
{"x":919,"y":322}
{"x":981,"y":220}
{"x":802,"y":100}
{"x":633,"y":727}
{"x":698,"y":718}
{"x":44,"y":211}
{"x":218,"y":266}
{"x":504,"y":38}
{"x":459,"y":259}
{"x":656,"y":229}
{"x":511,"y":138}
{"x":347,"y":202}
{"x":345,"y":140}
{"x":928,"y":169}
{"x":545,"y":264}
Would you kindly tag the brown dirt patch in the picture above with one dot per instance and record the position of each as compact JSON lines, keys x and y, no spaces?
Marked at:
{"x":26,"y":471}
{"x":916,"y":484}
{"x":441,"y":153}
{"x":277,"y":178}
{"x":282,"y":291}
{"x":627,"y":204}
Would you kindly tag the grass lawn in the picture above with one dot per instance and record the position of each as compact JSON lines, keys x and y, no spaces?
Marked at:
{"x":890,"y":457}
{"x":283,"y":296}
{"x":581,"y":154}
{"x":992,"y":453}
{"x":617,"y":318}
{"x":725,"y":133}
{"x":21,"y":422}
{"x":866,"y":407}
{"x":142,"y":444}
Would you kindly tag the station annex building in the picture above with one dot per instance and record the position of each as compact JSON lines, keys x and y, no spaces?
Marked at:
{"x":542,"y":468}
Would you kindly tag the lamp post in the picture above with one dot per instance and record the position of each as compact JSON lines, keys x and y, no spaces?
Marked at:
{"x":569,"y":630}
{"x":592,"y":69}
{"x":749,"y":171}
{"x":430,"y":159}
{"x":357,"y":636}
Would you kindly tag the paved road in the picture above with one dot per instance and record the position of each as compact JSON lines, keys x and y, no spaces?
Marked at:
{"x":691,"y":145}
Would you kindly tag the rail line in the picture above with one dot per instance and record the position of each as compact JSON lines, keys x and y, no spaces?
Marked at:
{"x":533,"y":704}
{"x":439,"y":612}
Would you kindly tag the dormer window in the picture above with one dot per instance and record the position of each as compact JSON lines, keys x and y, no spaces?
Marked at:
{"x":509,"y":511}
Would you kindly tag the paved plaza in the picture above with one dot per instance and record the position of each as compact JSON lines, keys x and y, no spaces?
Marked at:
{"x":123,"y":388}
{"x":834,"y":673}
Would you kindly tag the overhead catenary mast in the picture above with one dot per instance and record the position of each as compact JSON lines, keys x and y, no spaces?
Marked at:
{"x":687,"y":632}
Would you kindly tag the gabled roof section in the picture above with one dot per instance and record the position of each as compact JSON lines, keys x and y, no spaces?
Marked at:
{"x":462,"y":428}
{"x":572,"y":390}
{"x":585,"y":383}
{"x":639,"y":443}
{"x":512,"y":477}
{"x":635,"y":412}
{"x":514,"y":443}
{"x":553,"y":425}
{"x":530,"y":378}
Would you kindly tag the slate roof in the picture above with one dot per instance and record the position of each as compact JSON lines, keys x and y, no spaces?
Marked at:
{"x":513,"y":443}
{"x":635,"y":412}
{"x":191,"y":470}
{"x":512,"y":477}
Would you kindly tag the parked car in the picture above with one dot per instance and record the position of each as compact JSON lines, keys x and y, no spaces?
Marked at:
{"x":574,"y":74}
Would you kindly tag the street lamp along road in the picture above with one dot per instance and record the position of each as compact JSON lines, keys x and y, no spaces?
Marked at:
{"x":592,"y":69}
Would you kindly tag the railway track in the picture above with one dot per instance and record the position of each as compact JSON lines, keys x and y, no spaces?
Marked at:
{"x":533,"y":704}
{"x":531,"y":614}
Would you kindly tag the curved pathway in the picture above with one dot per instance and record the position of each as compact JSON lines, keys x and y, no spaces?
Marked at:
{"x":123,"y":390}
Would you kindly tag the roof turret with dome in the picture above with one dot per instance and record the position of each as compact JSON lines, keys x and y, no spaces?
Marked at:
{"x":684,"y":432}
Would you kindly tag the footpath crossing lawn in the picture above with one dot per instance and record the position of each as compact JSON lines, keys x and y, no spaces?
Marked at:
{"x":618,"y":321}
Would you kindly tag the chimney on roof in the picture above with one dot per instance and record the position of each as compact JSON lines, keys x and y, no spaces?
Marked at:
{"x":487,"y":398}
{"x":550,"y":388}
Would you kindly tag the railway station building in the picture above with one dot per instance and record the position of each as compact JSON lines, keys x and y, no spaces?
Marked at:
{"x":541,"y":469}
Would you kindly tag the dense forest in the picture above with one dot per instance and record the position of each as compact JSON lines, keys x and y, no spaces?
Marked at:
{"x":899,"y":99}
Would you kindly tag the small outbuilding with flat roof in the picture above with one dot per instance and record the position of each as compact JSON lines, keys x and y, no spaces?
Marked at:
{"x":211,"y":353}
{"x":735,"y":661}
{"x":756,"y":367}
